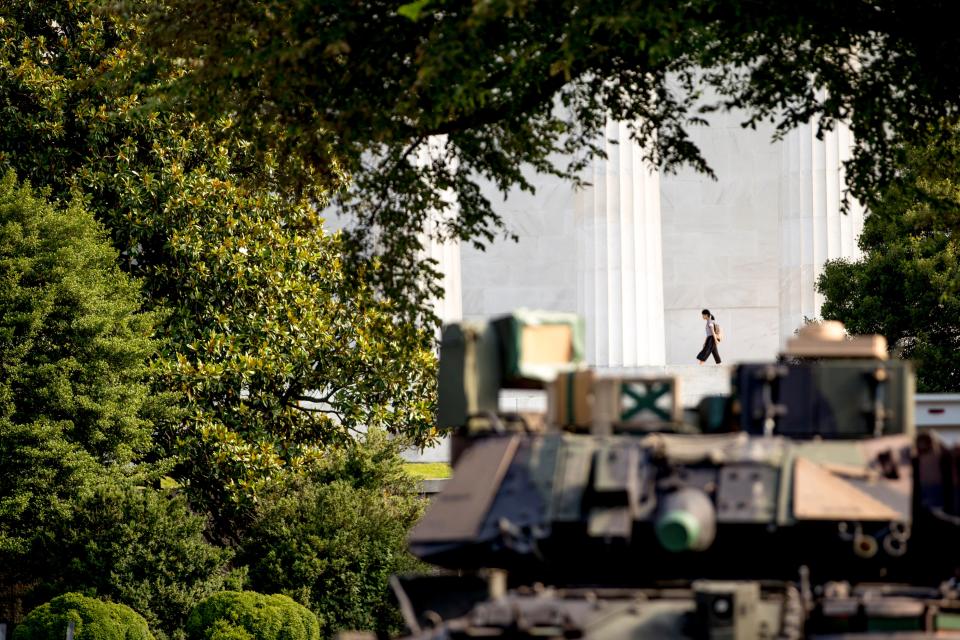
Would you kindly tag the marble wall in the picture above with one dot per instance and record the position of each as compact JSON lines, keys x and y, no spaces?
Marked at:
{"x":619,"y":256}
{"x":596,"y":252}
{"x":539,"y":269}
{"x":721,"y":244}
{"x":747,"y":245}
{"x":449,"y":307}
{"x":813,"y":226}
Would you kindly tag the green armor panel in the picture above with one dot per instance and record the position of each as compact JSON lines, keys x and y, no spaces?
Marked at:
{"x":866,"y":398}
{"x":834,"y":399}
{"x":468,"y":380}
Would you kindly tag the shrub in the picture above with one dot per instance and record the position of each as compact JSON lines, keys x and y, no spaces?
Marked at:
{"x":246,"y":615}
{"x":140,"y":547}
{"x":333,"y":543}
{"x":94,"y":620}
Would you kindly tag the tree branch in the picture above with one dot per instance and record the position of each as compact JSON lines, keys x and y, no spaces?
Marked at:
{"x":494,"y":114}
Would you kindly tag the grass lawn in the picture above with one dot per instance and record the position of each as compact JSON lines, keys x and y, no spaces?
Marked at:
{"x":428,"y":470}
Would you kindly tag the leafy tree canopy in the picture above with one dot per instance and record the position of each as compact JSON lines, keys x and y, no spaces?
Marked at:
{"x":280,"y":353}
{"x":907,"y":285}
{"x":74,"y":352}
{"x":276,"y":348}
{"x":361,"y":87}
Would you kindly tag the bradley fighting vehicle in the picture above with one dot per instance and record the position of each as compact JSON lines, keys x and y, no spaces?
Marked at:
{"x":805,"y":504}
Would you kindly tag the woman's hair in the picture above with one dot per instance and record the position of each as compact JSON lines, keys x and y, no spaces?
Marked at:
{"x":706,"y":312}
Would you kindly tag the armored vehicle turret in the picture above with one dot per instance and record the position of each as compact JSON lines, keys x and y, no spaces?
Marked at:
{"x":802,"y":504}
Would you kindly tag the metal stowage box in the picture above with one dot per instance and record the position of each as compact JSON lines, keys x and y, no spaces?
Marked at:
{"x":469,"y":373}
{"x":570,"y":400}
{"x":629,"y":404}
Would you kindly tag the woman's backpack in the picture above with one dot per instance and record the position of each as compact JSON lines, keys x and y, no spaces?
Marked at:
{"x":717,"y":331}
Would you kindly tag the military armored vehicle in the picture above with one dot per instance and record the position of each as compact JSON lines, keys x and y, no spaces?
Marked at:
{"x":804,"y":504}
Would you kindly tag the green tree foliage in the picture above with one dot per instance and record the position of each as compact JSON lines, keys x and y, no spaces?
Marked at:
{"x":907,"y":285}
{"x":93,"y":620}
{"x":74,"y":352}
{"x":263,"y":312}
{"x":280,"y":352}
{"x":246,"y":615}
{"x":333,"y":542}
{"x":139,"y":547}
{"x":499,"y":86}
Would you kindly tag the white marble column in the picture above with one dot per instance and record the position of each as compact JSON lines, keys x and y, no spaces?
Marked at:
{"x":813,"y":228}
{"x":449,"y":307}
{"x":619,"y":261}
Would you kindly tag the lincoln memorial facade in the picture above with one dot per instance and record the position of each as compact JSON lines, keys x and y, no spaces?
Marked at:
{"x":640,"y":252}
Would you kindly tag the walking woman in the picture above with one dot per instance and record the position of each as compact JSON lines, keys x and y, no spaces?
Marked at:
{"x":710,"y":344}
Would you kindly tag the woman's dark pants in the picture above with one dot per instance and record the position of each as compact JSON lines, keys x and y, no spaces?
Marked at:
{"x":709,"y":346}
